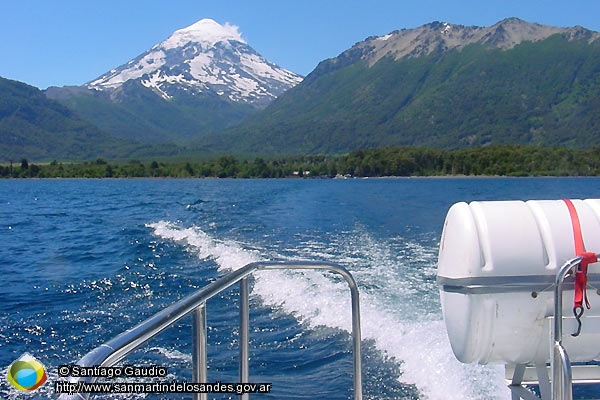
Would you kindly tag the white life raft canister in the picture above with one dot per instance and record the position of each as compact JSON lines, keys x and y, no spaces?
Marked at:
{"x":497,"y":265}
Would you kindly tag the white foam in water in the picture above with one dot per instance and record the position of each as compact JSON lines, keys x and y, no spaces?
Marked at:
{"x":173,"y":354}
{"x":420,"y":345}
{"x":225,"y":254}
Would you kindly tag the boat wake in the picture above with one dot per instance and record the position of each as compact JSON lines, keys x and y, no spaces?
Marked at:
{"x":400,"y":310}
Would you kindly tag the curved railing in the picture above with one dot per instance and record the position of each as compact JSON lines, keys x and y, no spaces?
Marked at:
{"x":117,"y":348}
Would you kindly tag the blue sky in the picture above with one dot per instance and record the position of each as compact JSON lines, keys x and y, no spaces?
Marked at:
{"x":69,"y":42}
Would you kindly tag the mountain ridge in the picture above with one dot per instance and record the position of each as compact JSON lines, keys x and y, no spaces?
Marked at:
{"x":442,"y":36}
{"x":434,"y":36}
{"x":542,"y":91}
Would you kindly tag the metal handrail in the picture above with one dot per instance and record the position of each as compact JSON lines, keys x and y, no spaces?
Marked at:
{"x":116,"y":349}
{"x":561,"y":366}
{"x":561,"y":385}
{"x":562,"y":377}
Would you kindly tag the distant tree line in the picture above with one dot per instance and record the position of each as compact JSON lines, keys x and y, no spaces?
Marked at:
{"x":378,"y":162}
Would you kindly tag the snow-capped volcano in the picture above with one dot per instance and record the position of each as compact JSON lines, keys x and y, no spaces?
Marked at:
{"x":204,"y":58}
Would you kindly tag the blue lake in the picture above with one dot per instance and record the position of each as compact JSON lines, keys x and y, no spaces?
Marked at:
{"x":83,"y":260}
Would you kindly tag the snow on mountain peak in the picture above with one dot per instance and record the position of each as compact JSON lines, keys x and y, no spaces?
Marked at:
{"x":204,"y":57}
{"x":204,"y":31}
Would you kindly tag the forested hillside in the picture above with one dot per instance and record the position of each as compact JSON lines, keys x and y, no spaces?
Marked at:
{"x":544,"y":93}
{"x":33,"y":126}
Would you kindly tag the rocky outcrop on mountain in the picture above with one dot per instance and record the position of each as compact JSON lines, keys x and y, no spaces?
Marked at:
{"x":443,"y":36}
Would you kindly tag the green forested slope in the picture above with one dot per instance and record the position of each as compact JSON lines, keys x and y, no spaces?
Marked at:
{"x":544,"y":93}
{"x":31,"y":126}
{"x":135,"y":112}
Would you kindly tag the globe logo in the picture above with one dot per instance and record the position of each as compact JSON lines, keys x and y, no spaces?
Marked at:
{"x":26,"y":373}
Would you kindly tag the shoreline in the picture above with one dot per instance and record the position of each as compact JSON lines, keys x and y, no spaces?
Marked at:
{"x":297,"y":178}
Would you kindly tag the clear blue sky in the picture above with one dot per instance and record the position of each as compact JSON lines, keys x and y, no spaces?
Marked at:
{"x":69,"y":42}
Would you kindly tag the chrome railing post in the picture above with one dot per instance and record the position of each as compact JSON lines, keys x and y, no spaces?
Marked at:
{"x":356,"y":338}
{"x":199,"y":348}
{"x":561,"y":366}
{"x":356,"y":332}
{"x":244,"y":328}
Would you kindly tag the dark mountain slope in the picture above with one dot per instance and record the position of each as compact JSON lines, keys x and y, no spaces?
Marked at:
{"x":36,"y":128}
{"x":136,"y":112}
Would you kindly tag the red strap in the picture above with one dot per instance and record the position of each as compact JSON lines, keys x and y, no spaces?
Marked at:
{"x":577,"y":236}
{"x":588,"y":258}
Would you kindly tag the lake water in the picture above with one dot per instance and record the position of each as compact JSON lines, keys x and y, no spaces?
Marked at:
{"x":83,"y":260}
